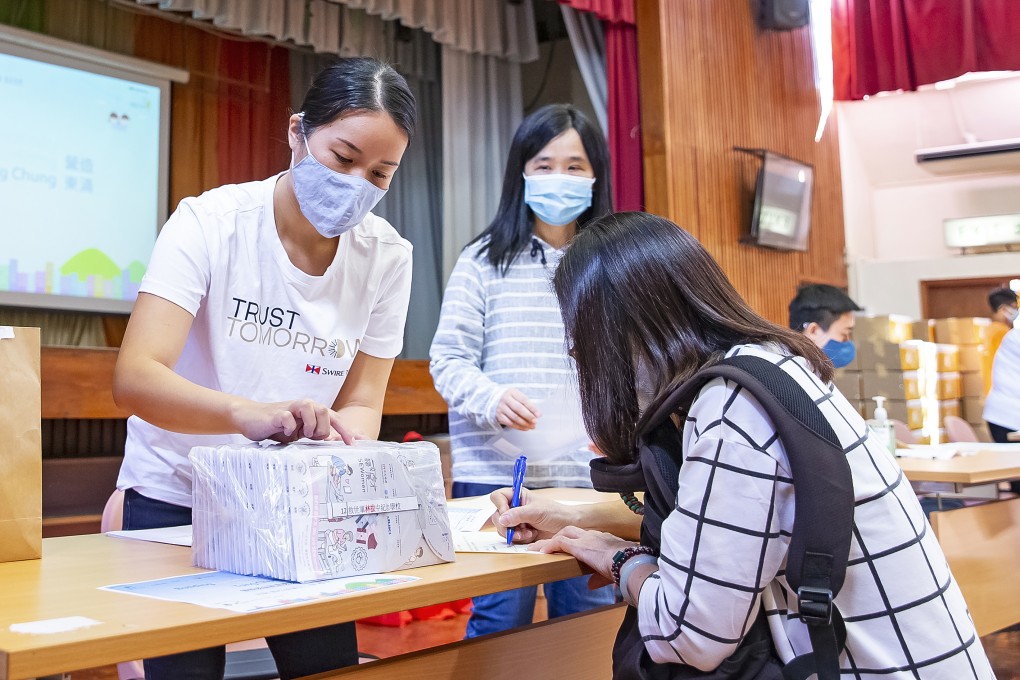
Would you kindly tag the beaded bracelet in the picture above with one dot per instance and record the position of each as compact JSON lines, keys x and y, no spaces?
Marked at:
{"x":636,"y":506}
{"x":623,"y":555}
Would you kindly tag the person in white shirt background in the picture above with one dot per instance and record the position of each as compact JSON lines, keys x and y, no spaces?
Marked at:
{"x":645,"y":307}
{"x":272,"y":310}
{"x":1002,"y":405}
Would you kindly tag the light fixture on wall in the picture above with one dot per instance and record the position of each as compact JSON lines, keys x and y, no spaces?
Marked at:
{"x":821,"y":48}
{"x":987,"y":233}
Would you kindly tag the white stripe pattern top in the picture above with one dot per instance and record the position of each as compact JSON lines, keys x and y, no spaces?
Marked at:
{"x":497,"y":332}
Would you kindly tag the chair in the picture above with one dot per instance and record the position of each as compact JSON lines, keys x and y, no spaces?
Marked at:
{"x":252,"y":662}
{"x":959,"y":430}
{"x":903,"y":433}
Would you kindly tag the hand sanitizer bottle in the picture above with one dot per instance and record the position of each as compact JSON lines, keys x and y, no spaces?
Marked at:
{"x":881,"y":426}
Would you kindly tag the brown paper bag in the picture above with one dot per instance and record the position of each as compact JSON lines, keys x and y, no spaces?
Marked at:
{"x":20,"y":445}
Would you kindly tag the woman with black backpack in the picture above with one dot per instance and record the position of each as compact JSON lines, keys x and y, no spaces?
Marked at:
{"x":779,"y":538}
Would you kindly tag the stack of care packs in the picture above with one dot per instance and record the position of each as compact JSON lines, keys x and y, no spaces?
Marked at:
{"x":318,"y":510}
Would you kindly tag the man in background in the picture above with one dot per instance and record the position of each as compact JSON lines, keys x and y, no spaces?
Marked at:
{"x":1004,"y":312}
{"x":825,"y":314}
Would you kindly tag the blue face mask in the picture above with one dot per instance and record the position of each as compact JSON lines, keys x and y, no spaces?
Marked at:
{"x":332,"y":201}
{"x":558,"y":200}
{"x":841,"y":353}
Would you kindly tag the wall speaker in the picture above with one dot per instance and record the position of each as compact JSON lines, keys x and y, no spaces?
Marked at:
{"x":783,"y":15}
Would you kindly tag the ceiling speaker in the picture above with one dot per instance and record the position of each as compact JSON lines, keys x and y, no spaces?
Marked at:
{"x":783,"y":15}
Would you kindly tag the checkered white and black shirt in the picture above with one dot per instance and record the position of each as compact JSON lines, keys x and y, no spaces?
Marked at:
{"x":724,"y":548}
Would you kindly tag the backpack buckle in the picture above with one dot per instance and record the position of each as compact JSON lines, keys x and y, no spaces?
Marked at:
{"x":815,"y":606}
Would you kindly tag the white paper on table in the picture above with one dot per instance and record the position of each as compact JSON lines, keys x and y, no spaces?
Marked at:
{"x":925,"y":452}
{"x":464,"y":517}
{"x":484,"y":542}
{"x":969,"y":448}
{"x":173,"y":535}
{"x":559,"y":431}
{"x":222,"y":590}
{"x":50,"y":626}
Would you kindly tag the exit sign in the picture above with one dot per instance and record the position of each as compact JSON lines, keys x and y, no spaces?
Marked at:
{"x":974,"y":232}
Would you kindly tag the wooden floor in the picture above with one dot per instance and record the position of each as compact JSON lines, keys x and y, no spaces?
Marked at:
{"x":1003,"y":648}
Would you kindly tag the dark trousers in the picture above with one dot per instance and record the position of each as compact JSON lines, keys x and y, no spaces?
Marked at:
{"x":297,"y":654}
{"x":1000,"y":435}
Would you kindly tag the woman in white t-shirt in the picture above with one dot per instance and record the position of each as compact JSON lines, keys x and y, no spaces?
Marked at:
{"x":272,"y":310}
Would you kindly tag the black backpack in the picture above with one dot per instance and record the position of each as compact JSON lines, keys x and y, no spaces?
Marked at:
{"x":819,"y":545}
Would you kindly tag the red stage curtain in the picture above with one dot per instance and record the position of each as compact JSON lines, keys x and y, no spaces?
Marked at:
{"x":254,"y":105}
{"x":624,"y":116}
{"x":616,"y":11}
{"x":624,"y":98}
{"x":194,"y":105}
{"x":884,"y":45}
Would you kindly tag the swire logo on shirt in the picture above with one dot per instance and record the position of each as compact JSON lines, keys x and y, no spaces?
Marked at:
{"x":322,"y":370}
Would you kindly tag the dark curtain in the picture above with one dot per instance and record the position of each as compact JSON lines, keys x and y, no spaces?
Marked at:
{"x":885,"y":45}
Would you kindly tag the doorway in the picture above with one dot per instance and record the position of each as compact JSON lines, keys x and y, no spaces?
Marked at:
{"x":944,"y":298}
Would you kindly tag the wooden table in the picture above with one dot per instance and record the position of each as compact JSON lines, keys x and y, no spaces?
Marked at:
{"x":981,"y":542}
{"x":957,"y":473}
{"x":65,"y":583}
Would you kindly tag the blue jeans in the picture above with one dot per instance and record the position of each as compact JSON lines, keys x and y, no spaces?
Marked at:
{"x":297,"y":654}
{"x":512,"y":608}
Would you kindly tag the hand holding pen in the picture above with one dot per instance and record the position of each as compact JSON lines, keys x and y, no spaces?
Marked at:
{"x":519,"y":469}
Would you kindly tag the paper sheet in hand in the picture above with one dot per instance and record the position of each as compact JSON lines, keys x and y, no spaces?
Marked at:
{"x":172,"y":535}
{"x":244,"y":594}
{"x":559,"y":431}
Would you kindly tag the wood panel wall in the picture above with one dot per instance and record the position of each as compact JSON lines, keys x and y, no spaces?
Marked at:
{"x":712,"y":80}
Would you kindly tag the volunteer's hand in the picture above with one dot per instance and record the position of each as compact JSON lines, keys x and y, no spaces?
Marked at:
{"x":287,"y":421}
{"x":535,"y":518}
{"x":516,"y":411}
{"x":594,"y":548}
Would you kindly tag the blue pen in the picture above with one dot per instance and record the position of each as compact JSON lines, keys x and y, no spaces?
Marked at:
{"x":519,"y":467}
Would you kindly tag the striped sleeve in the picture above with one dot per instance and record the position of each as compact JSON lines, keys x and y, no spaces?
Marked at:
{"x":456,"y":353}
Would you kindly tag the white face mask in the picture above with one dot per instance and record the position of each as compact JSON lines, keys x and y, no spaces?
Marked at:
{"x":332,"y":201}
{"x":558,"y":200}
{"x":1011,"y":314}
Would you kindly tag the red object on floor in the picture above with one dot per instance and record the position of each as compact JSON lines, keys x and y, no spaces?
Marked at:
{"x":394,"y":620}
{"x":435,"y":612}
{"x":441,"y":612}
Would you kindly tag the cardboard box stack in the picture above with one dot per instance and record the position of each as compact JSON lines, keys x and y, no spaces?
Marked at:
{"x":907,"y":372}
{"x":970,"y":335}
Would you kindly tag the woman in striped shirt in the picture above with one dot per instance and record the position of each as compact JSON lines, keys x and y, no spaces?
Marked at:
{"x":499,"y":348}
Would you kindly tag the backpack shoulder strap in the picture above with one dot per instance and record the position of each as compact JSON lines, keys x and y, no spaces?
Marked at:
{"x":823,"y":514}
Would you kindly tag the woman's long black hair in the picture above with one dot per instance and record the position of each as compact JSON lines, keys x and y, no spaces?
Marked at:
{"x":636,"y":287}
{"x":511,"y":228}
